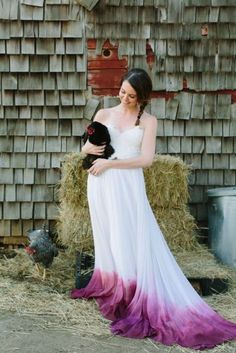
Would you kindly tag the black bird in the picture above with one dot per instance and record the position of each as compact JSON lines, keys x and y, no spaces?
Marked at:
{"x":41,"y":249}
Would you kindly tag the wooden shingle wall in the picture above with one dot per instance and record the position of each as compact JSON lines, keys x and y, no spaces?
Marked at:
{"x":45,"y":99}
{"x":194,"y":77}
{"x":43,"y":80}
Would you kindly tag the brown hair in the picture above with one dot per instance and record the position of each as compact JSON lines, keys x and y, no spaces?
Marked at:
{"x":142,"y":84}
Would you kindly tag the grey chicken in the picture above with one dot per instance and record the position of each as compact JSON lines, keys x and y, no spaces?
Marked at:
{"x":41,"y":249}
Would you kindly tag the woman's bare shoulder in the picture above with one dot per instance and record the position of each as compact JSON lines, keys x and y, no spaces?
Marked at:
{"x":148,"y":120}
{"x":103,"y":115}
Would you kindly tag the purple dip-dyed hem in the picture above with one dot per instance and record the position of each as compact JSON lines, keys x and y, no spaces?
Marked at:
{"x":135,"y":314}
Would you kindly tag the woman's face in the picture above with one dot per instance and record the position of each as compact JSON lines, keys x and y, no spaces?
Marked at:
{"x":128,"y":95}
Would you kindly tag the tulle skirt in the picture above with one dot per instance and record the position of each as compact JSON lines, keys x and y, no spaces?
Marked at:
{"x":136,"y":281}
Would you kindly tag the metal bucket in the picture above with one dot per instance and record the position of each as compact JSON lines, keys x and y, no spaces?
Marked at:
{"x":222,"y":224}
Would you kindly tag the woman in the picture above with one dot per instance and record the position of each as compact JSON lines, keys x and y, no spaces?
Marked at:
{"x":137,"y":282}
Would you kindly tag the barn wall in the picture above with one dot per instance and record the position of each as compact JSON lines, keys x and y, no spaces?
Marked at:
{"x":187,"y":46}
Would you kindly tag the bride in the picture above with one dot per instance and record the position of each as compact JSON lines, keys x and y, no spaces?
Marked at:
{"x":136,"y":281}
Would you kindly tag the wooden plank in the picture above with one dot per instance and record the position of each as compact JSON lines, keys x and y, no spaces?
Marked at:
{"x":210,"y":106}
{"x":30,"y":82}
{"x":29,"y":176}
{"x":10,"y":193}
{"x":207,"y":161}
{"x":198,"y":128}
{"x":36,"y":98}
{"x":27,"y":211}
{"x":198,"y":144}
{"x":68,"y":63}
{"x":221,"y":161}
{"x":13,"y":240}
{"x":6,"y":144}
{"x":39,"y":63}
{"x":44,"y":46}
{"x":173,"y":144}
{"x":16,"y":228}
{"x":52,"y":98}
{"x":213,"y":145}
{"x":201,"y":177}
{"x":9,"y":10}
{"x":216,"y":177}
{"x":33,"y":2}
{"x":74,"y":46}
{"x":198,"y":106}
{"x":39,"y":210}
{"x":179,"y":128}
{"x":7,"y":98}
{"x":229,"y":178}
{"x":4,"y":160}
{"x":55,"y":63}
{"x":72,"y":29}
{"x":44,"y":161}
{"x":16,"y":29}
{"x":158,"y":107}
{"x":232,"y":161}
{"x":31,"y":161}
{"x":65,"y":128}
{"x":50,"y":112}
{"x":39,"y":144}
{"x":174,"y":82}
{"x":227,"y":145}
{"x":53,"y":175}
{"x":186,"y":145}
{"x":35,"y":127}
{"x":52,"y":127}
{"x":31,"y":13}
{"x":227,"y":14}
{"x":50,"y":30}
{"x":214,"y":13}
{"x":223,"y":106}
{"x":18,"y":176}
{"x":185,"y":105}
{"x":52,"y":211}
{"x":81,"y":63}
{"x":18,"y":160}
{"x":30,"y":29}
{"x":172,"y":108}
{"x":161,"y":145}
{"x":11,"y":210}
{"x":57,"y":159}
{"x":53,"y":144}
{"x":9,"y":81}
{"x":217,"y":128}
{"x":20,"y":144}
{"x":24,"y":193}
{"x":40,"y":176}
{"x":21,"y":98}
{"x":42,"y":193}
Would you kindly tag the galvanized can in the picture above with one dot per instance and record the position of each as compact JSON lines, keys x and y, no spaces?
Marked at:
{"x":222,"y":224}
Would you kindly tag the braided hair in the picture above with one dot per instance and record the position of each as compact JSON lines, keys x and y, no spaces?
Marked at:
{"x":142,"y":84}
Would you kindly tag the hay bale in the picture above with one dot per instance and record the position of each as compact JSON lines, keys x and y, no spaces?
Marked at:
{"x":167,"y":189}
{"x":167,"y":182}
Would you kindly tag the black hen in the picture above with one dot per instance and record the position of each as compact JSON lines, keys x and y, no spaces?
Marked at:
{"x":98,"y":134}
{"x":41,"y":249}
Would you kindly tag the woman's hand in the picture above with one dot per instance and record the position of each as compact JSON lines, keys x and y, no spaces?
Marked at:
{"x":99,"y":166}
{"x":89,"y":148}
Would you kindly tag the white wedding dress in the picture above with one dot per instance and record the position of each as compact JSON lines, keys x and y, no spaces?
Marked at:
{"x":136,"y":281}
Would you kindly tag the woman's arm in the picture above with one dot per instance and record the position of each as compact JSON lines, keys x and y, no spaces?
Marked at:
{"x":145,"y":158}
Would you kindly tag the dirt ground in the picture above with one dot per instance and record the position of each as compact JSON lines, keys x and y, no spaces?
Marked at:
{"x":25,"y":334}
{"x":28,"y":334}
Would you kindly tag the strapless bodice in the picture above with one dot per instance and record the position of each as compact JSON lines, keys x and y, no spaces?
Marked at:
{"x":126,"y":143}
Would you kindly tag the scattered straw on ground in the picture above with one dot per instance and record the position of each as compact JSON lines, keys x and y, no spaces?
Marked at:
{"x":23,"y":291}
